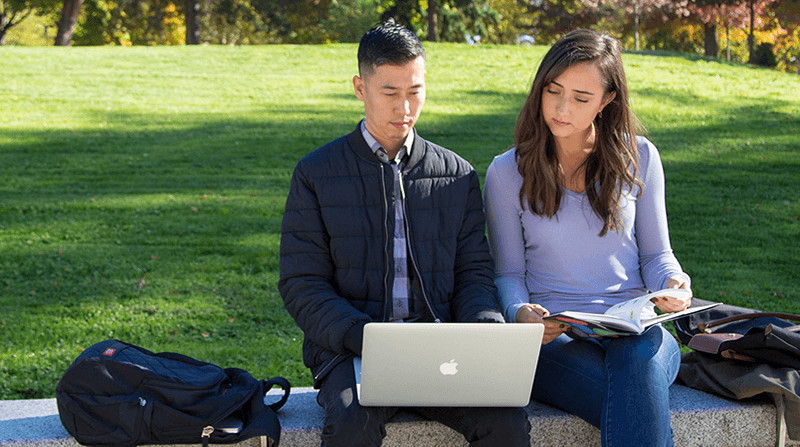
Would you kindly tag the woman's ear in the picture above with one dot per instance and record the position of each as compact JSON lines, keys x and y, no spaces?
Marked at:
{"x":607,"y":99}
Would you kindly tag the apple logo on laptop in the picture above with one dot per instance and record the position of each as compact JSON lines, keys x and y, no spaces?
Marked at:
{"x":448,"y":368}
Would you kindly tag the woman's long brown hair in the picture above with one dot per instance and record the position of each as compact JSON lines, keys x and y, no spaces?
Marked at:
{"x":613,"y":163}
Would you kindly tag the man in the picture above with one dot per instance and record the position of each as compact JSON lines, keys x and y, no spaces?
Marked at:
{"x":382,"y":225}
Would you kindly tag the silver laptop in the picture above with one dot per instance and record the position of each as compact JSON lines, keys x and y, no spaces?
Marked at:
{"x":448,"y":364}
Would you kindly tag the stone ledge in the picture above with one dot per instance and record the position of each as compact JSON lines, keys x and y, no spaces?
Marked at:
{"x":698,"y":419}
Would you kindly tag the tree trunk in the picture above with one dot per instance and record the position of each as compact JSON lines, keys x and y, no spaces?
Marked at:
{"x":192,"y":22}
{"x":636,"y":25}
{"x":3,"y":22}
{"x":433,"y":21}
{"x":751,"y":40}
{"x":710,"y":40}
{"x":69,"y":19}
{"x":728,"y":41}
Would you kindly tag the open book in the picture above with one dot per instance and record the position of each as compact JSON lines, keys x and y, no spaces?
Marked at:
{"x":624,"y":318}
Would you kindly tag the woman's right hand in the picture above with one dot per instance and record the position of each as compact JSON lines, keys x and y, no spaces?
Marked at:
{"x":534,"y":313}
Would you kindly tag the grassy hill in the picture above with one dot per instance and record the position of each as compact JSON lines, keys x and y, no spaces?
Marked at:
{"x":142,"y":189}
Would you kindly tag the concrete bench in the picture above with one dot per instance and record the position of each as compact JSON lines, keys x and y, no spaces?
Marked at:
{"x":698,"y":419}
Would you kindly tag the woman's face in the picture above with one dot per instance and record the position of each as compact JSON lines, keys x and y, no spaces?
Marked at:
{"x":572,"y":101}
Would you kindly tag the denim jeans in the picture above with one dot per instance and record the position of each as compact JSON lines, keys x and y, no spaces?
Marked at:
{"x":619,"y":385}
{"x":349,"y":424}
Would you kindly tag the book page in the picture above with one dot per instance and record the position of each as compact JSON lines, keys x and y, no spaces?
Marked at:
{"x":632,"y":309}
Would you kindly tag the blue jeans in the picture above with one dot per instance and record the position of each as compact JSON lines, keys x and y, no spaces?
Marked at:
{"x":619,"y":385}
{"x":349,"y":424}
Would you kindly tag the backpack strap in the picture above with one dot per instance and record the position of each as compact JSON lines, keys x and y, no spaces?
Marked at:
{"x":282,"y":383}
{"x":704,"y":326}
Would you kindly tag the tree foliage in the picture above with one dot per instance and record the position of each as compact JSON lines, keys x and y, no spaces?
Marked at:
{"x":448,"y":20}
{"x":634,"y":12}
{"x":131,"y":22}
{"x":12,"y":12}
{"x":673,"y":25}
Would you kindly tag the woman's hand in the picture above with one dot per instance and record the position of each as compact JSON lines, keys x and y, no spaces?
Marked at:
{"x":534,"y":313}
{"x":669,"y":304}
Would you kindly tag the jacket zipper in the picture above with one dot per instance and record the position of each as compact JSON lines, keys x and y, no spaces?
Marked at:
{"x":386,"y":300}
{"x":328,"y":366}
{"x":411,"y":252}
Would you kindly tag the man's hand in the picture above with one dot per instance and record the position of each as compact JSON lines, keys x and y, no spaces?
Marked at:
{"x":534,"y":313}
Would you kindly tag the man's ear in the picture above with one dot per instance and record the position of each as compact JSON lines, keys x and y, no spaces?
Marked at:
{"x":358,"y":87}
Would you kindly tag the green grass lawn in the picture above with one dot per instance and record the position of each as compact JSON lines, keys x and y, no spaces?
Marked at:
{"x":142,"y":189}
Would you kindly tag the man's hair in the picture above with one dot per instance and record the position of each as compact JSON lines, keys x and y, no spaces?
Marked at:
{"x":387,"y":43}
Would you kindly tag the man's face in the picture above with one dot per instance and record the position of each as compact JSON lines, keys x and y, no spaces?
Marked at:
{"x":393,"y":96}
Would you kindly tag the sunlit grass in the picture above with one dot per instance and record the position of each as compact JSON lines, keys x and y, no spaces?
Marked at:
{"x":142,"y":189}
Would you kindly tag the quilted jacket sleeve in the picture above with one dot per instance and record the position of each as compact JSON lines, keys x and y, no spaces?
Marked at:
{"x":306,"y":270}
{"x":474,"y":296}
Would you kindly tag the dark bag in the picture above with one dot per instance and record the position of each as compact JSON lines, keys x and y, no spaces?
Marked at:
{"x":743,"y":334}
{"x":118,"y":394}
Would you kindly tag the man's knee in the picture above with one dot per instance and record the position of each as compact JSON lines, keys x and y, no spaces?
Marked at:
{"x":501,"y":427}
{"x":352,"y":425}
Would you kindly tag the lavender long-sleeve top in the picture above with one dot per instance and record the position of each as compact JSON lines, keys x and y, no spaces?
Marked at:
{"x":562,"y":263}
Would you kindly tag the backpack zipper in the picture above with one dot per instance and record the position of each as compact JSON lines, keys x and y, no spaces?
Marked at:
{"x":207,"y":435}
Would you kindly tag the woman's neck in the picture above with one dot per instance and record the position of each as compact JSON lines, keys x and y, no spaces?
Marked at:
{"x":572,"y":152}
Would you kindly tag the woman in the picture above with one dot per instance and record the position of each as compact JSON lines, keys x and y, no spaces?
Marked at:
{"x":577,"y":221}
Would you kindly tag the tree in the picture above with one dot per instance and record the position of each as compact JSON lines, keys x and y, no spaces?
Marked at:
{"x":130,"y":22}
{"x":787,"y":12}
{"x":733,"y":14}
{"x":12,"y":12}
{"x":405,"y":12}
{"x":66,"y":25}
{"x":193,"y":16}
{"x":294,"y":21}
{"x":711,"y":13}
{"x":447,"y":20}
{"x":433,"y":21}
{"x":636,"y":10}
{"x":348,"y":20}
{"x":755,"y":9}
{"x":513,"y":22}
{"x":553,"y":18}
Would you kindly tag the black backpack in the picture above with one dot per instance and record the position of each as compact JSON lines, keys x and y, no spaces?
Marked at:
{"x":118,"y":394}
{"x":742,"y":334}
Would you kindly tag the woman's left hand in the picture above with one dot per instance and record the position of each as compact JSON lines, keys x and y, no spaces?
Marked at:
{"x":669,"y":304}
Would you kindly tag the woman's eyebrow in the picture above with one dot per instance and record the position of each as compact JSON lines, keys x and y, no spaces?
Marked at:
{"x":576,"y":91}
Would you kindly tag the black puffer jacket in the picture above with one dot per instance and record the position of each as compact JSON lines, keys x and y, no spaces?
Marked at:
{"x":336,"y":246}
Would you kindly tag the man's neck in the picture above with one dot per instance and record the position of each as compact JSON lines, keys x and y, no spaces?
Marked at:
{"x":393,"y":146}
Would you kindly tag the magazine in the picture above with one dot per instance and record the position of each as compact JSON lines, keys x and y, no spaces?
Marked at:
{"x":624,"y":318}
